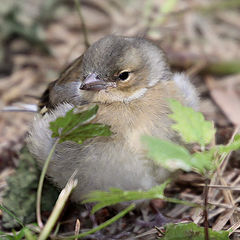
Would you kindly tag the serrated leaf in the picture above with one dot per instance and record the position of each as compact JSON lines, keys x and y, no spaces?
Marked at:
{"x":203,"y":161}
{"x":83,"y":132}
{"x":235,"y":145}
{"x":191,"y":231}
{"x":64,"y":124}
{"x":173,"y":156}
{"x":75,"y":126}
{"x":168,"y":154}
{"x":190,"y":124}
{"x":116,"y":195}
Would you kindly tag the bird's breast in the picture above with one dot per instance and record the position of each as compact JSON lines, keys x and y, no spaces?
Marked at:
{"x":129,"y":124}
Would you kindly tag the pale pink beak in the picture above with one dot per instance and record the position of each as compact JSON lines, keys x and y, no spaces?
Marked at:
{"x":94,"y":83}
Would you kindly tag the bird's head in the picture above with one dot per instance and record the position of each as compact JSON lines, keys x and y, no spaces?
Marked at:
{"x":119,"y":69}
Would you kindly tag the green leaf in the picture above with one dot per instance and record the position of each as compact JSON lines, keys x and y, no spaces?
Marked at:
{"x":203,"y":162}
{"x":86,"y":131}
{"x":168,"y":154}
{"x":173,"y":156}
{"x":64,"y":124}
{"x":235,"y":145}
{"x":116,"y":195}
{"x":191,"y":231}
{"x":15,"y":235}
{"x":190,"y":124}
{"x":29,"y":235}
{"x":5,"y":236}
{"x":20,"y":234}
{"x":75,"y":127}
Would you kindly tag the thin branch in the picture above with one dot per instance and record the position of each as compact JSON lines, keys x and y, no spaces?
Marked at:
{"x":77,"y":228}
{"x":233,"y":188}
{"x":225,"y":157}
{"x":84,"y":28}
{"x":205,"y":210}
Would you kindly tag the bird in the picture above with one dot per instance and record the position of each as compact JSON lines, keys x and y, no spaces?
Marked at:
{"x":130,"y":80}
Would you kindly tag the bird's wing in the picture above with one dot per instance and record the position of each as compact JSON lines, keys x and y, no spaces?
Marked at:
{"x":45,"y":99}
{"x":187,"y":89}
{"x":70,"y":73}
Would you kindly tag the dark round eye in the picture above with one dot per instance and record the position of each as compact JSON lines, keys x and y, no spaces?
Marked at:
{"x":124,"y":75}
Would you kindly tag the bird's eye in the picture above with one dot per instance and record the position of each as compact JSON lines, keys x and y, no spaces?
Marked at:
{"x":124,"y":75}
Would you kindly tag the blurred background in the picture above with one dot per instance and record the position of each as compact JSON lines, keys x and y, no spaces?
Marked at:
{"x":38,"y":38}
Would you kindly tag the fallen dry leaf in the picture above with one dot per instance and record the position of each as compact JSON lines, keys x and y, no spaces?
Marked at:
{"x":225,"y":94}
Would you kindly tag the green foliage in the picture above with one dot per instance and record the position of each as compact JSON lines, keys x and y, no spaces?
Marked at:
{"x":20,"y":197}
{"x":24,"y":233}
{"x":193,"y":128}
{"x":173,"y":156}
{"x":224,"y":67}
{"x":203,"y":162}
{"x":191,"y":231}
{"x":235,"y":145}
{"x":116,"y":195}
{"x":190,"y":124}
{"x":75,"y":127}
{"x":168,"y":154}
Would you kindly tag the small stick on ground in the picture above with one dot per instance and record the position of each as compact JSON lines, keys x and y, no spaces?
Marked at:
{"x":77,"y":228}
{"x":205,"y":210}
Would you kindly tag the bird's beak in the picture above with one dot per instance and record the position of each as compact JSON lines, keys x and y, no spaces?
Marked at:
{"x":94,"y":83}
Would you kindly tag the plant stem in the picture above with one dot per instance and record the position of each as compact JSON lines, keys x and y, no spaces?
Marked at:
{"x":29,"y":235}
{"x":105,"y":224}
{"x":205,"y":210}
{"x":40,"y":185}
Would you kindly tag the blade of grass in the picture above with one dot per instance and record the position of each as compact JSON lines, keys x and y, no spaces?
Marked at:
{"x":12,"y":215}
{"x":40,"y":185}
{"x":84,"y":27}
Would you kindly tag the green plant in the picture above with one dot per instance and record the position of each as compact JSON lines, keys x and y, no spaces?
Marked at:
{"x":190,"y":231}
{"x":75,"y":127}
{"x":193,"y":129}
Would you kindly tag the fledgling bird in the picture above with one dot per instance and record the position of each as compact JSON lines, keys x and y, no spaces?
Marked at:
{"x":130,"y":80}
